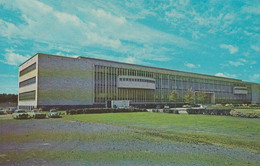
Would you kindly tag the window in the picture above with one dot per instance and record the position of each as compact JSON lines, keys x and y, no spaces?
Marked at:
{"x":28,"y":69}
{"x":27,"y":82}
{"x":27,"y":96}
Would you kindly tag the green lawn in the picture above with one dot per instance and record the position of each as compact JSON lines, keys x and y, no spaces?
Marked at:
{"x":203,"y":129}
{"x":149,"y":139}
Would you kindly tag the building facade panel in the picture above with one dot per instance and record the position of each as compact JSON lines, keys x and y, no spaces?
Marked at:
{"x":64,"y":81}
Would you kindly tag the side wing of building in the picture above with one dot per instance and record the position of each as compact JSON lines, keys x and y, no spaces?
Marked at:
{"x":149,"y":85}
{"x":28,"y":75}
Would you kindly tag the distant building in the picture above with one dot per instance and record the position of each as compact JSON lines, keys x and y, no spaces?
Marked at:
{"x":55,"y":81}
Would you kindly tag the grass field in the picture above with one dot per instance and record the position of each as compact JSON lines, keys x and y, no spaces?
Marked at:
{"x":130,"y":139}
{"x":220,"y":130}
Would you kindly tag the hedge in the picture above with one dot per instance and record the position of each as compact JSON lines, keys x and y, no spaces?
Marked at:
{"x":209,"y":111}
{"x":241,"y":114}
{"x":172,"y":111}
{"x":101,"y":110}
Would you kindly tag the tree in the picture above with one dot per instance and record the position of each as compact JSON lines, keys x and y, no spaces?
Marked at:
{"x":8,"y":98}
{"x":173,"y":97}
{"x":200,"y":97}
{"x":189,"y":98}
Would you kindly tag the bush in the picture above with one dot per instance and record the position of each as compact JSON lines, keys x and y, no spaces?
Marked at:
{"x":155,"y":110}
{"x":254,"y":105}
{"x":166,"y":110}
{"x":225,"y":112}
{"x":102,"y":110}
{"x":242,"y":114}
{"x":209,"y":111}
{"x":195,"y":111}
{"x":174,"y":111}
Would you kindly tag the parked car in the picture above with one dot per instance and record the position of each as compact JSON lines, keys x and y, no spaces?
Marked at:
{"x":2,"y":112}
{"x":20,"y":114}
{"x":158,"y":107}
{"x":37,"y":114}
{"x":11,"y":110}
{"x":166,"y":107}
{"x":186,"y":106}
{"x":54,"y":114}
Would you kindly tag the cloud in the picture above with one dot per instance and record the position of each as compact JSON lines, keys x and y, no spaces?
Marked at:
{"x":12,"y":58}
{"x":190,"y":65}
{"x":254,"y":77}
{"x":94,"y":26}
{"x":226,"y":75}
{"x":233,"y":63}
{"x":242,"y":60}
{"x":175,"y":14}
{"x":8,"y":29}
{"x":106,"y":16}
{"x":8,"y":75}
{"x":252,"y":9}
{"x":232,"y":49}
{"x":67,"y":18}
{"x":184,"y":2}
{"x":256,"y":48}
{"x":130,"y":60}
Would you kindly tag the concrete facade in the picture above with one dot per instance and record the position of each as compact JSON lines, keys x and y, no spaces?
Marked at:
{"x":50,"y":80}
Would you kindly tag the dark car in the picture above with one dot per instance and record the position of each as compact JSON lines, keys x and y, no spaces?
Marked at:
{"x":10,"y":110}
{"x":2,"y":112}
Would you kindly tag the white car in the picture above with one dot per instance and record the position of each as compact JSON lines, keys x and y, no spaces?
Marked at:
{"x":20,"y":114}
{"x":54,"y":114}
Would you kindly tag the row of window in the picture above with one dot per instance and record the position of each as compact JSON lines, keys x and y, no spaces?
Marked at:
{"x":28,"y":69}
{"x":27,"y":82}
{"x":106,"y":88}
{"x":136,"y":80}
{"x":27,"y":95}
{"x":160,"y":76}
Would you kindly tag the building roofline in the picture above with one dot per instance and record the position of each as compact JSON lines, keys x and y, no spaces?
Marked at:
{"x":160,"y":68}
{"x":79,"y":57}
{"x":28,"y":59}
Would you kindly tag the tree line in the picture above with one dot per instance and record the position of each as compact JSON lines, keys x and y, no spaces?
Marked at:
{"x":8,"y":98}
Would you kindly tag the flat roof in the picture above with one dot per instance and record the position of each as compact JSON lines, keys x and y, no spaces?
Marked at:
{"x":79,"y":57}
{"x":160,"y":68}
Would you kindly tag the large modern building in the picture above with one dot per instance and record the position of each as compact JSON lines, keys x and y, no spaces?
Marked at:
{"x":54,"y":81}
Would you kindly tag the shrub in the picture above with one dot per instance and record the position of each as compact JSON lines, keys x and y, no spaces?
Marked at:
{"x":237,"y":113}
{"x":174,"y":111}
{"x":209,"y":111}
{"x":225,"y":112}
{"x":194,"y":111}
{"x":154,"y":110}
{"x":166,"y":110}
{"x":102,"y":110}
